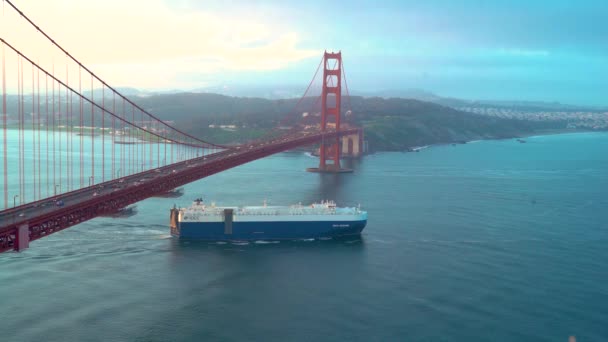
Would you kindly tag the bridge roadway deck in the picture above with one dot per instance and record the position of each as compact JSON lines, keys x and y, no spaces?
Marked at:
{"x":45,"y":217}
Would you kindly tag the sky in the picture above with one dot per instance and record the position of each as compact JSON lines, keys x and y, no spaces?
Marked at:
{"x":531,"y":50}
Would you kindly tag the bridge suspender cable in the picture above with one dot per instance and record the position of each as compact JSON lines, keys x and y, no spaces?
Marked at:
{"x":350,"y":106}
{"x":295,"y":107}
{"x":91,"y":101}
{"x":4,"y":130}
{"x":106,"y":84}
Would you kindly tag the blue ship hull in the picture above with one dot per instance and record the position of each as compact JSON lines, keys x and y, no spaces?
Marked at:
{"x":268,"y":230}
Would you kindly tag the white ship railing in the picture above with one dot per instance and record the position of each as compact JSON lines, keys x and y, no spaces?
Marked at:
{"x":323,"y":208}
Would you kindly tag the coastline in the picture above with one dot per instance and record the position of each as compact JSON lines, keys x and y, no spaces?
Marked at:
{"x":406,"y":149}
{"x":539,"y":133}
{"x":561,"y":131}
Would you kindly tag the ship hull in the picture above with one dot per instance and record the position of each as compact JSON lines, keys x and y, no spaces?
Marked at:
{"x":273,"y":230}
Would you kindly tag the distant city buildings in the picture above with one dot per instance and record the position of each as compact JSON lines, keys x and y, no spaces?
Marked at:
{"x":583,"y":120}
{"x":61,"y":121}
{"x":230,"y":128}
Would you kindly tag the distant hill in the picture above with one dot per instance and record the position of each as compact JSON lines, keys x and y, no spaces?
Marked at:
{"x":423,"y":95}
{"x":397,"y":124}
{"x":275,"y":92}
{"x":392,"y":124}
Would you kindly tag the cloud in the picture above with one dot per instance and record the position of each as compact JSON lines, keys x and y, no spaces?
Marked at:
{"x":462,"y":46}
{"x":144,"y":43}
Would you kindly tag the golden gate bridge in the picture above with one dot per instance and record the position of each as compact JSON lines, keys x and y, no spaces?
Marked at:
{"x":72,"y":152}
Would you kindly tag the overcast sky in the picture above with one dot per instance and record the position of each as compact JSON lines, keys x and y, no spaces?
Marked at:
{"x":520,"y":50}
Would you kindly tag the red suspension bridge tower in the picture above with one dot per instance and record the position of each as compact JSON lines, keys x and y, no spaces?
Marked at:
{"x":82,"y":154}
{"x":331,"y":97}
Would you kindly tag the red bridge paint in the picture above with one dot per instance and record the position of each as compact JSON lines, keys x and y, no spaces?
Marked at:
{"x":331,"y":97}
{"x":81,"y":205}
{"x":58,"y":184}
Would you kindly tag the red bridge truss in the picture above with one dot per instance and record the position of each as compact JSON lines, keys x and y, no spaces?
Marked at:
{"x":75,"y":148}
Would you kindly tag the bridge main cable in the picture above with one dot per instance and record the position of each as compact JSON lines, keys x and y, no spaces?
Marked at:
{"x":97,"y":105}
{"x":103,"y":82}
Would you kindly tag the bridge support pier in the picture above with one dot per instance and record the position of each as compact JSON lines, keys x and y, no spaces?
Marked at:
{"x":328,"y":170}
{"x":331,"y":97}
{"x":352,"y":145}
{"x":22,"y":237}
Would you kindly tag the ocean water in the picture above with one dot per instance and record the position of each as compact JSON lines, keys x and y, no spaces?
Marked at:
{"x":488,"y":241}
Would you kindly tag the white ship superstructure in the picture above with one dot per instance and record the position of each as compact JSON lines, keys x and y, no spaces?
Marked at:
{"x":280,"y":222}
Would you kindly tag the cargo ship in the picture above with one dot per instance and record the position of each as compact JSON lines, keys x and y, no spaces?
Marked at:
{"x":219,"y":223}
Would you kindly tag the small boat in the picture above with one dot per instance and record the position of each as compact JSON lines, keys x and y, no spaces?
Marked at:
{"x":175,"y":193}
{"x":123,"y":212}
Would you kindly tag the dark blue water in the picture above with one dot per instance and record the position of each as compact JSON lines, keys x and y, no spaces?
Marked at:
{"x":489,"y":241}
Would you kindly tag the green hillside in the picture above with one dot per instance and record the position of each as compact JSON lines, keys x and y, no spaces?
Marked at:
{"x":393,"y":124}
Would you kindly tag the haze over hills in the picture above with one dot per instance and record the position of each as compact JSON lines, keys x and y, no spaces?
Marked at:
{"x":291,"y":91}
{"x":391,"y":123}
